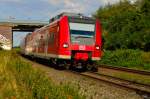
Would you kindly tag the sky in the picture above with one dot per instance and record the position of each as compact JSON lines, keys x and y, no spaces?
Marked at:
{"x":45,"y":9}
{"x":18,"y":37}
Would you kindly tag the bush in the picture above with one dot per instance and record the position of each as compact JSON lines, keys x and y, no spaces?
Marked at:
{"x":126,"y":25}
{"x":127,"y":58}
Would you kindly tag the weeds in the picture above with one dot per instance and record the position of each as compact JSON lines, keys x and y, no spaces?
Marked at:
{"x":127,"y":58}
{"x":18,"y":80}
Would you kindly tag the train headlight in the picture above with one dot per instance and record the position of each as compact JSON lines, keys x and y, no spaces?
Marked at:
{"x":97,"y":47}
{"x":65,"y":45}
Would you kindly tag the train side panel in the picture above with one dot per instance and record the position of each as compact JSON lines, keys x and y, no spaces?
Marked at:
{"x":38,"y":43}
{"x":98,"y":42}
{"x":64,"y":47}
{"x":53,"y":41}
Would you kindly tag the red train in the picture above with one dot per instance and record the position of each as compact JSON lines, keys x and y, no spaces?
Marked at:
{"x":68,"y":39}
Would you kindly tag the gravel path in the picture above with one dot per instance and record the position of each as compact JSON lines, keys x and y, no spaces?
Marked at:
{"x":92,"y":89}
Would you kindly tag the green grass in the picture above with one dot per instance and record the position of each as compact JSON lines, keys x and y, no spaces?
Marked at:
{"x":127,"y":58}
{"x":18,"y":80}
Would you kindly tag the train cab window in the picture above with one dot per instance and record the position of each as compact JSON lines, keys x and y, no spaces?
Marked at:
{"x":82,"y":33}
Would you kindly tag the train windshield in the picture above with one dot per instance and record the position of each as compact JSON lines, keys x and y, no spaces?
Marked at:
{"x":82,"y":34}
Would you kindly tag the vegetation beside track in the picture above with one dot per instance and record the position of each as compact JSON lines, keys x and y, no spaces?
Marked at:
{"x":18,"y":80}
{"x":127,"y":58}
{"x":126,"y":25}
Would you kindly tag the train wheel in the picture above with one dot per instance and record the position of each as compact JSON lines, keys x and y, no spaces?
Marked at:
{"x":60,"y":65}
{"x":53,"y":63}
{"x":89,"y":67}
{"x":67,"y":67}
{"x":92,"y":66}
{"x":95,"y":69}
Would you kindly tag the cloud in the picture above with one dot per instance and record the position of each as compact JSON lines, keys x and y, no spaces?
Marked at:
{"x":75,"y":6}
{"x":105,"y":2}
{"x":53,"y":2}
{"x":45,"y":9}
{"x":10,"y":0}
{"x":78,"y":6}
{"x":69,"y":5}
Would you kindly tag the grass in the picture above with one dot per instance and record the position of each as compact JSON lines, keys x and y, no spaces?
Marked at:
{"x":145,"y":79}
{"x":135,"y":78}
{"x":18,"y":80}
{"x":127,"y":58}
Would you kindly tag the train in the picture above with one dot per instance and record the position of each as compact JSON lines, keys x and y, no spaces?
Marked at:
{"x":70,"y":40}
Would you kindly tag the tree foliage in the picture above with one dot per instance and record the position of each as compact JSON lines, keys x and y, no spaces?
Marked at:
{"x":126,"y":25}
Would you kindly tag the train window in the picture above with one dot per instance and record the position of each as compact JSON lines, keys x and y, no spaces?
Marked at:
{"x":51,"y":38}
{"x":82,"y":19}
{"x":82,"y":26}
{"x":82,"y":33}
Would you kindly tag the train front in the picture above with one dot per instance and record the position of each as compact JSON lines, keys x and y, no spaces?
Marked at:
{"x":85,"y":41}
{"x":85,"y":37}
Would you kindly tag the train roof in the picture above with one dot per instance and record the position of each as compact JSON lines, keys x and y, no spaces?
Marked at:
{"x":71,"y":15}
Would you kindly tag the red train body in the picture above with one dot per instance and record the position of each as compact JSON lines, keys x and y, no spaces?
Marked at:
{"x":68,"y":38}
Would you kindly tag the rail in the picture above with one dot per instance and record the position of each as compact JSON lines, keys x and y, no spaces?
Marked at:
{"x":142,"y":89}
{"x":142,"y":72}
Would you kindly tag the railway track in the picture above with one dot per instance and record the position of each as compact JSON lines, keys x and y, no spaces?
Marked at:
{"x":142,"y":89}
{"x":141,"y":72}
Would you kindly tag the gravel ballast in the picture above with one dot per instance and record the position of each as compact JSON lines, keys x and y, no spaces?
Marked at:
{"x":91,"y":88}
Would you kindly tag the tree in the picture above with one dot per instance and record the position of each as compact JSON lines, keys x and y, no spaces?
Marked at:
{"x":127,"y":25}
